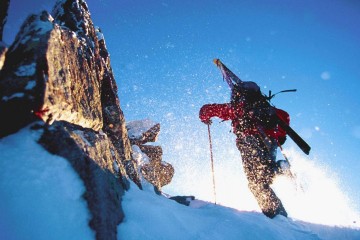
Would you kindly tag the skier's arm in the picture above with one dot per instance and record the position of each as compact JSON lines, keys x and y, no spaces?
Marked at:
{"x":223,"y":111}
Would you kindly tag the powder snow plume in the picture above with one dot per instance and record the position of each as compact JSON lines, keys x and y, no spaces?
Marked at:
{"x":316,"y":195}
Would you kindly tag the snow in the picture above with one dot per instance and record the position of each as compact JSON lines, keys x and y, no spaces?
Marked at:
{"x":116,"y":167}
{"x":36,"y":28}
{"x":140,"y":157}
{"x":26,"y":70}
{"x":15,"y":95}
{"x":137,"y":128}
{"x":325,"y":75}
{"x":99,"y":34}
{"x":150,"y":216}
{"x":30,"y":85}
{"x":41,"y":198}
{"x":41,"y":194}
{"x":320,"y":191}
{"x":81,"y":135}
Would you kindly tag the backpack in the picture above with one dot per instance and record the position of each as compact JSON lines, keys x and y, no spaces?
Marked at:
{"x":257,"y":110}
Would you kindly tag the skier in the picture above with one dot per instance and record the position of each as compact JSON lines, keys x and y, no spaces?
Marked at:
{"x":258,"y":133}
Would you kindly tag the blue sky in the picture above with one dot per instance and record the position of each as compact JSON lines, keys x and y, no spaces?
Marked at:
{"x":162,"y":51}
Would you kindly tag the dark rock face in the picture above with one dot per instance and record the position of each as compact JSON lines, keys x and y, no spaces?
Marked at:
{"x":184,"y":200}
{"x":22,"y":78}
{"x":58,"y":71}
{"x":4,"y":5}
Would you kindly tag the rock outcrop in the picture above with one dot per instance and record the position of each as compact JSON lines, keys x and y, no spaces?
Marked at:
{"x":151,"y":167}
{"x":4,"y":5}
{"x":57,"y":72}
{"x":3,"y":50}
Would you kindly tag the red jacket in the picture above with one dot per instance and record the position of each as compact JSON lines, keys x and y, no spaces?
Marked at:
{"x":227,"y":112}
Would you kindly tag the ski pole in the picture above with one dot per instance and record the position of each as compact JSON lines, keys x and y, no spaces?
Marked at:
{"x":212,"y":163}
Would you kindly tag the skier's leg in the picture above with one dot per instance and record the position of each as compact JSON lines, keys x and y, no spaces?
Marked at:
{"x":259,"y":169}
{"x":269,"y":203}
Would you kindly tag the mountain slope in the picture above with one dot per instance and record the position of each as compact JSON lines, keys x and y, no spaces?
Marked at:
{"x":149,"y":216}
{"x":37,"y":185}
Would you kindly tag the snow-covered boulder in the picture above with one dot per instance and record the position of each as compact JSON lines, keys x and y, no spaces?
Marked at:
{"x":143,"y":131}
{"x":149,"y":158}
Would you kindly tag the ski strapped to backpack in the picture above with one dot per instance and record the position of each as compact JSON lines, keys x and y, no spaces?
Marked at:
{"x":233,"y":80}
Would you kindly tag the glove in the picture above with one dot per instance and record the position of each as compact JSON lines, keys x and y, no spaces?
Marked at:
{"x":207,"y":122}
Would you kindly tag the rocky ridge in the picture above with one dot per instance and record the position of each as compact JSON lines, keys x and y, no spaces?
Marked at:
{"x":57,"y":77}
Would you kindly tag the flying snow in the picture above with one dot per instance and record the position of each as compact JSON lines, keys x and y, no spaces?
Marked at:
{"x":325,"y":75}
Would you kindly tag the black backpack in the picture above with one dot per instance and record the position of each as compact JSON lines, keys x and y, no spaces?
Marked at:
{"x":258,"y":111}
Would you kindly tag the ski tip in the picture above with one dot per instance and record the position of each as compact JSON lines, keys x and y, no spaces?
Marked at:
{"x":217,"y":62}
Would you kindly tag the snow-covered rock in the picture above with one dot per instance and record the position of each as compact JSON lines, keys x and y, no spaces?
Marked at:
{"x":143,"y":131}
{"x":149,"y":157}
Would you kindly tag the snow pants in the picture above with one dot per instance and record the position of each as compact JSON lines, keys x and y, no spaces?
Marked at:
{"x":259,"y":161}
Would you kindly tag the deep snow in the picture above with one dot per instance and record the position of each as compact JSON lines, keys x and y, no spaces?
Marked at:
{"x":41,"y":194}
{"x":41,"y":198}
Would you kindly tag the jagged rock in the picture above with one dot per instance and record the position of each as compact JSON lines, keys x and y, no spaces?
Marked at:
{"x":158,"y":175}
{"x":143,"y":131}
{"x":93,"y":156}
{"x":49,"y":73}
{"x":58,"y":70}
{"x":153,"y":152}
{"x":4,"y":5}
{"x":76,"y":16}
{"x":184,"y":200}
{"x":157,"y":172}
{"x":3,"y":50}
{"x":20,"y":80}
{"x":149,"y":157}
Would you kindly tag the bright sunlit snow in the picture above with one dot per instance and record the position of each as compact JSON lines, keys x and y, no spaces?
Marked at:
{"x":149,"y":216}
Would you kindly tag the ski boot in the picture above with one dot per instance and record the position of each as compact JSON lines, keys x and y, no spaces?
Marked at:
{"x":283,"y":168}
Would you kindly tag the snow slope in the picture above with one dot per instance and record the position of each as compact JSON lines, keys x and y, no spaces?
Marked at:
{"x":40,"y":193}
{"x":149,"y":216}
{"x":41,"y":198}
